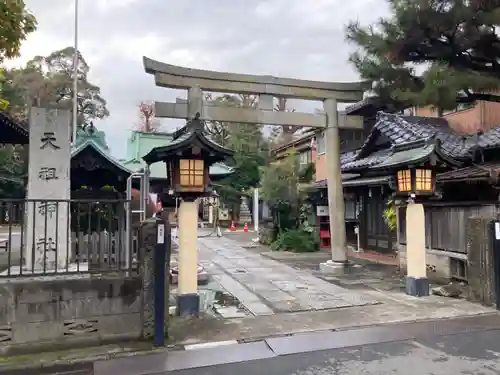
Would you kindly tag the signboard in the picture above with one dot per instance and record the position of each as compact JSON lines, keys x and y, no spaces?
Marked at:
{"x":161,"y":234}
{"x":321,"y":210}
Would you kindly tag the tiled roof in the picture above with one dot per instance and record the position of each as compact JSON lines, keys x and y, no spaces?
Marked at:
{"x":371,"y":160}
{"x":413,"y":155}
{"x":486,"y":171}
{"x":400,"y":130}
{"x":490,"y":139}
{"x":184,"y":137}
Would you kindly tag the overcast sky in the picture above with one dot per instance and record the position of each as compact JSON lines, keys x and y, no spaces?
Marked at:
{"x":290,"y":38}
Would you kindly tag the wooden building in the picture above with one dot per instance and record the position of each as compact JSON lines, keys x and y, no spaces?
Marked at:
{"x":12,"y":132}
{"x":470,"y":191}
{"x":397,"y":142}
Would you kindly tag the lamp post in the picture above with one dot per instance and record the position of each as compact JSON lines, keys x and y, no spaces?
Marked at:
{"x":415,"y":183}
{"x":188,"y":158}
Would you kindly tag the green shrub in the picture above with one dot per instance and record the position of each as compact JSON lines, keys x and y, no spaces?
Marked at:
{"x":389,"y":215}
{"x":296,"y":240}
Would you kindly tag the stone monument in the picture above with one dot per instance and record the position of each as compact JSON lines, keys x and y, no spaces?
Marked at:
{"x":245,"y":214}
{"x":47,"y":239}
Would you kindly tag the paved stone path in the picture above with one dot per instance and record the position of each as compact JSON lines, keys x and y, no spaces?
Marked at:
{"x":266,"y":286}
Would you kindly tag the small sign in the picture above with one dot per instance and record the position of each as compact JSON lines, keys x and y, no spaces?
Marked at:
{"x":161,"y":233}
{"x":223,"y":214}
{"x":321,"y":210}
{"x":497,"y":230}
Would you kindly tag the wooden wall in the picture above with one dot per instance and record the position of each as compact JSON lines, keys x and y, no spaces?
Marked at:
{"x":447,"y":224}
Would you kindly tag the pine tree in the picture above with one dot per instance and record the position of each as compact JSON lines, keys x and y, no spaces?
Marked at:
{"x":431,"y":52}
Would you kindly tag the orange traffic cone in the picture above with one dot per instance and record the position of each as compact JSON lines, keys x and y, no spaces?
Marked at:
{"x":233,"y":228}
{"x":245,"y":228}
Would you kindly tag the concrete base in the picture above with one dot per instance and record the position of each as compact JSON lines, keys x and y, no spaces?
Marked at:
{"x":417,"y":286}
{"x":73,"y":269}
{"x":333,"y":268}
{"x":203,"y":278}
{"x":188,"y":305}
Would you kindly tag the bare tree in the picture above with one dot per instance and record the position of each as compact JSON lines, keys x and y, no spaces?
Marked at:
{"x":147,"y":119}
{"x":283,"y":134}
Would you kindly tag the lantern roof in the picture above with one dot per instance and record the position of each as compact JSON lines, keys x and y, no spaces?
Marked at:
{"x":191,"y":134}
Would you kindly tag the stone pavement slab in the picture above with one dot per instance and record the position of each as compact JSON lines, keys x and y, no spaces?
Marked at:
{"x":278,"y":286}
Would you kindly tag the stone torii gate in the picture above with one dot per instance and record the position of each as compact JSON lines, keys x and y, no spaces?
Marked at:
{"x":268,"y":87}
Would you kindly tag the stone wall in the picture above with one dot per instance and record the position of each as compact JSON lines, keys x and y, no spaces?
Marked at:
{"x":438,"y":262}
{"x":68,"y":311}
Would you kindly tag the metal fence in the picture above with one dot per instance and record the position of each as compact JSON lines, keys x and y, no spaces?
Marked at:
{"x":68,"y":237}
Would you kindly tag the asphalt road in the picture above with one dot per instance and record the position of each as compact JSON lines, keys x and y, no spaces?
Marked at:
{"x":14,"y":246}
{"x":466,"y":353}
{"x":458,"y":346}
{"x":470,"y":353}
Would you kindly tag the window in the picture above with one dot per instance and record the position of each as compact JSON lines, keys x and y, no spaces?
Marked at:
{"x":458,"y":269}
{"x":423,"y":180}
{"x":305,"y":157}
{"x":320,"y":144}
{"x":404,"y":180}
{"x":191,"y":173}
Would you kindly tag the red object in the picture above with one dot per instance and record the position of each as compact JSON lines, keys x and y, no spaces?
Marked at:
{"x":233,"y":228}
{"x":324,"y":232}
{"x":245,"y":228}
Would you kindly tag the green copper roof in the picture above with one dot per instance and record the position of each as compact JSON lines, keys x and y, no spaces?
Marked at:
{"x":103,"y":152}
{"x":89,"y":136}
{"x":141,"y":143}
{"x":90,"y":132}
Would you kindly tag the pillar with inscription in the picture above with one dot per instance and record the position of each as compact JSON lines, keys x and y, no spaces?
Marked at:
{"x":47,"y":239}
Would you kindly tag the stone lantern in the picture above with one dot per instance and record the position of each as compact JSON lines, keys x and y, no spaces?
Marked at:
{"x":187,"y":160}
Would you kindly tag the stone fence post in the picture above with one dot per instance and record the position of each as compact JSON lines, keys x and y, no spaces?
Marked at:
{"x":147,"y":242}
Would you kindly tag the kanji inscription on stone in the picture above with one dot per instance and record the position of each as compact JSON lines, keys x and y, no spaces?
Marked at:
{"x":47,"y":209}
{"x":47,"y":173}
{"x":49,"y":140}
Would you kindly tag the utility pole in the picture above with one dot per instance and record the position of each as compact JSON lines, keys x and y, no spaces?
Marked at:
{"x":75,"y":77}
